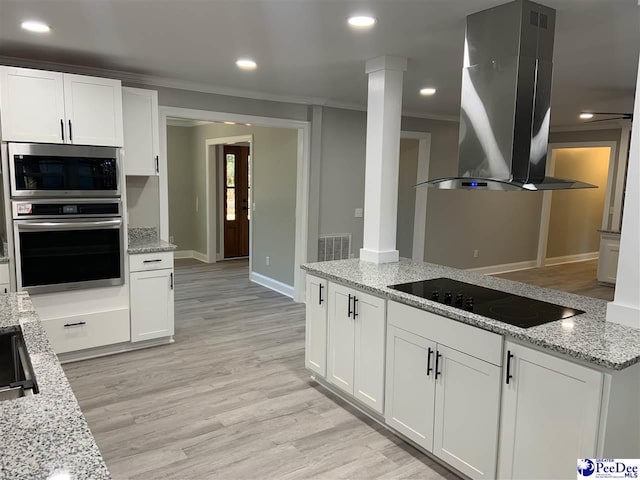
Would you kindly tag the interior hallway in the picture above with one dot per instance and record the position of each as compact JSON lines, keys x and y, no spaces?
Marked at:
{"x":578,"y":277}
{"x":230,"y":399}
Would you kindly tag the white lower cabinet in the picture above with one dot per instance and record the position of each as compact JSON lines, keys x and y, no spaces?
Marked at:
{"x":356,"y":344}
{"x":550,"y":415}
{"x":446,"y":401}
{"x":152,"y":301}
{"x":316,"y":325}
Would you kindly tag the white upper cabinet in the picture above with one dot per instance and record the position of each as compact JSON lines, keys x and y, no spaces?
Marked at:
{"x":52,"y":107}
{"x":31,"y":106}
{"x":93,"y":108}
{"x":550,"y":415}
{"x":141,"y":137}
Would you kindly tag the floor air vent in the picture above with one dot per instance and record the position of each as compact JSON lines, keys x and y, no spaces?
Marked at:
{"x":334,"y":247}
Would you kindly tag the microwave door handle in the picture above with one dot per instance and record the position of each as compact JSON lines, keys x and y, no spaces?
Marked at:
{"x":69,"y":225}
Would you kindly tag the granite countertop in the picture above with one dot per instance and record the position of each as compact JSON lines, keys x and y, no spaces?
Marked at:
{"x":149,"y":246}
{"x":45,"y":435}
{"x":588,"y":337}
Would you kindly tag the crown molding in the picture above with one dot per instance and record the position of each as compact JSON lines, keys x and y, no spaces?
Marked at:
{"x":167,"y":82}
{"x":185,"y":122}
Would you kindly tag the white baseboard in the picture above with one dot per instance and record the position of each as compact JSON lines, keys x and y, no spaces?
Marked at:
{"x":270,"y":283}
{"x":581,"y":257}
{"x":504,"y":268}
{"x":191,"y":254}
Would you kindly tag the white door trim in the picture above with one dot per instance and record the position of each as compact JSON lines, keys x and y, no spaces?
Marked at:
{"x":212,"y":195}
{"x":420,"y":210}
{"x":545,"y":214}
{"x":302,"y":189}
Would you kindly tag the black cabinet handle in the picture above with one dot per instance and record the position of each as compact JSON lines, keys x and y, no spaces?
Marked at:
{"x":355,"y":310}
{"x":429,"y":367}
{"x":152,"y":261}
{"x":438,"y":357}
{"x":70,"y":132}
{"x":62,"y":129}
{"x":320,"y":299}
{"x":77,"y":324}
{"x":157,"y":164}
{"x":509,"y":357}
{"x":349,"y":313}
{"x":171,"y":279}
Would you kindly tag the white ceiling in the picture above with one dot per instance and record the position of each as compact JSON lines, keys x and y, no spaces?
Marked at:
{"x":305,"y":49}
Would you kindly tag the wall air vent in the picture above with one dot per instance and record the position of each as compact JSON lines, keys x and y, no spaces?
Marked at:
{"x":334,"y":247}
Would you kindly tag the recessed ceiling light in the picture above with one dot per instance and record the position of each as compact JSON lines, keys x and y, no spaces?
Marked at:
{"x":229,"y":123}
{"x":246,"y":64}
{"x":586,"y":116}
{"x":248,"y":124}
{"x":35,"y":26}
{"x":427,"y":91}
{"x":362,"y":21}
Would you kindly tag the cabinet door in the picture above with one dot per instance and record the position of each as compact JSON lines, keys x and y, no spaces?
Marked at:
{"x":550,"y":415}
{"x":608,"y":260}
{"x":316,"y":325}
{"x":151,"y":304}
{"x":31,"y":105}
{"x":140,"y":120}
{"x":410,"y":385}
{"x":341,"y":338}
{"x":467,"y":412}
{"x":370,"y":333}
{"x":93,"y":110}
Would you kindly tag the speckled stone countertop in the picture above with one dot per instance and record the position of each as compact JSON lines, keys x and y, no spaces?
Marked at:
{"x":43,"y":436}
{"x":588,"y":337}
{"x":145,"y":240}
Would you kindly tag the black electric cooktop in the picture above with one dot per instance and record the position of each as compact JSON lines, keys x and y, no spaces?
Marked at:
{"x":505,"y":307}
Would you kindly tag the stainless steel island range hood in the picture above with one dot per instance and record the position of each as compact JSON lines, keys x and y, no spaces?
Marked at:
{"x":506,"y":97}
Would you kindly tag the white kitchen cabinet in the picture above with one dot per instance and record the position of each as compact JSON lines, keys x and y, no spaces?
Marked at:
{"x":53,"y":107}
{"x":151,"y":297}
{"x":467,"y":411}
{"x":93,"y":108}
{"x":410,"y":389}
{"x":608,"y":257}
{"x":355,"y":363}
{"x":550,"y":415}
{"x":316,"y":325}
{"x":141,"y":134}
{"x":31,"y":106}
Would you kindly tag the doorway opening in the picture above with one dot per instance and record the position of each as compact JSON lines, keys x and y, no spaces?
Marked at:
{"x":236,"y":186}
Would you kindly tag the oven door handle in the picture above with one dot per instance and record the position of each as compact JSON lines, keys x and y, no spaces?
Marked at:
{"x":70,"y":225}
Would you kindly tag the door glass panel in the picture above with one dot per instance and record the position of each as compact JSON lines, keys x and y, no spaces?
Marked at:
{"x":44,"y":172}
{"x":54,"y":257}
{"x":231,"y":203}
{"x":231,"y":170}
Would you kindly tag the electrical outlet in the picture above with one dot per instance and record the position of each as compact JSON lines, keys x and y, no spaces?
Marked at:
{"x":476,"y":253}
{"x":171,"y":239}
{"x":268,"y":260}
{"x":358,"y":213}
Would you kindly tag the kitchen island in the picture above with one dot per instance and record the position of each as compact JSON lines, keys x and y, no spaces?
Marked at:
{"x":44,"y":435}
{"x":486,"y":398}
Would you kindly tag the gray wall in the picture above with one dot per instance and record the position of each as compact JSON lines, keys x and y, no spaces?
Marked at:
{"x":407,"y":195}
{"x":181,"y":180}
{"x":143,"y":207}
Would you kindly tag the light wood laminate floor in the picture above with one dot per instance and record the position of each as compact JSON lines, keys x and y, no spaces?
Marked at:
{"x":230,"y":399}
{"x":579,"y":277}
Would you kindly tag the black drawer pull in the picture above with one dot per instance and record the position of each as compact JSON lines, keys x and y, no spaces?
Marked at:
{"x":509,"y":357}
{"x":62,"y":129}
{"x":152,"y":261}
{"x":76,"y":324}
{"x":70,"y":132}
{"x":429,"y":367}
{"x":349,"y":313}
{"x":320,"y":299}
{"x":355,"y":309}
{"x":438,"y":357}
{"x":171,"y":279}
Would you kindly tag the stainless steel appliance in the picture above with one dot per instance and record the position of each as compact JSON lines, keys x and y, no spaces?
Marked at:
{"x":40,"y":170}
{"x":506,"y":101}
{"x":16,"y":373}
{"x":505,"y":307}
{"x":68,"y":244}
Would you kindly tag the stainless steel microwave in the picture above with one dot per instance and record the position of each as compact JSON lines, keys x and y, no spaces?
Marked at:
{"x":39,"y":170}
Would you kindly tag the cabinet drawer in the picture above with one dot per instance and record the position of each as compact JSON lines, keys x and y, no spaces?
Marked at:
{"x":473,"y":341}
{"x":150,"y":261}
{"x":79,"y":332}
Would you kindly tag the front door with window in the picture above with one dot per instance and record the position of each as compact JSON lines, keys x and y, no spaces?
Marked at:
{"x":237,"y":198}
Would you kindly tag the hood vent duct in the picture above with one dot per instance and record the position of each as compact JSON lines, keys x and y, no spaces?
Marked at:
{"x":506,"y":98}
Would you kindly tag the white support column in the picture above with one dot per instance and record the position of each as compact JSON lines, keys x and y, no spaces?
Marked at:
{"x":625,"y":308}
{"x":384,"y":111}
